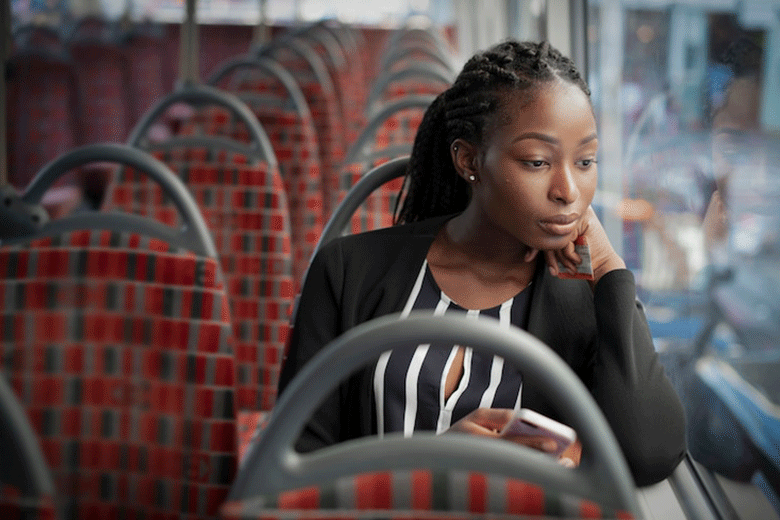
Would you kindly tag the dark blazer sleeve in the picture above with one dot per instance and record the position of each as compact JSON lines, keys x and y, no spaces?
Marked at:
{"x":317,"y":322}
{"x":628,"y":382}
{"x":604,"y":337}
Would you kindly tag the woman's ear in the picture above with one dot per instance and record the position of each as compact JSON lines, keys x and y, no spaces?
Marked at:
{"x":464,"y":157}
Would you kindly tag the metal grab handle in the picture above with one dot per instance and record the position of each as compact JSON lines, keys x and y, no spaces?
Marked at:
{"x":24,"y":465}
{"x":194,"y":226}
{"x":421,"y":71}
{"x":270,"y":66}
{"x":207,"y":95}
{"x":372,"y":180}
{"x":273,"y":465}
{"x":369,"y":131}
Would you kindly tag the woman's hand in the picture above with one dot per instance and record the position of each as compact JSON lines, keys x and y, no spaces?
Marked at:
{"x":488,"y":422}
{"x":603,"y":257}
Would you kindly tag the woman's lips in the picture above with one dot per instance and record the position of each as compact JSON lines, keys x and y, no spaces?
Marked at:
{"x":560,"y":225}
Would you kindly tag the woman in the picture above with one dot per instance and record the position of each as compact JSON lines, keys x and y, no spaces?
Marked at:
{"x":500,"y":182}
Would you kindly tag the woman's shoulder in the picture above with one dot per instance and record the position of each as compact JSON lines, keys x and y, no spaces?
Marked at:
{"x":383,"y":239}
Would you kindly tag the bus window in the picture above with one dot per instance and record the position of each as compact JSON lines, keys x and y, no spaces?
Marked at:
{"x":685,"y":96}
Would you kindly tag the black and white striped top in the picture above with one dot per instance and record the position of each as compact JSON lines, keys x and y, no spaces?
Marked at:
{"x":409,"y":385}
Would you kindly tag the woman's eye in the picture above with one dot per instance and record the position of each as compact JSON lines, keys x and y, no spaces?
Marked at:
{"x":586,"y":163}
{"x":534,"y":164}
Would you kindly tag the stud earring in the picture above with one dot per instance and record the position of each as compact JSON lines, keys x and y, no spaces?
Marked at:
{"x":472,"y":178}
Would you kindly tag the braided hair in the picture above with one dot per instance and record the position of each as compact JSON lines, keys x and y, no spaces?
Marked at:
{"x":432,"y":186}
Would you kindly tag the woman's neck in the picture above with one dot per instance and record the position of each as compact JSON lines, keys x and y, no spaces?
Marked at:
{"x":478,"y":269}
{"x":473,"y":238}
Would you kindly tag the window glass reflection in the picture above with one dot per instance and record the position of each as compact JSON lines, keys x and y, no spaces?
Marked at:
{"x":701,"y":224}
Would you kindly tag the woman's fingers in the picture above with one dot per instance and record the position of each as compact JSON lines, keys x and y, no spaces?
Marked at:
{"x":483,"y":421}
{"x":565,"y":259}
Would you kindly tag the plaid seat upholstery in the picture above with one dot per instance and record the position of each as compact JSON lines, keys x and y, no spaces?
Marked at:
{"x":377,"y":210}
{"x":412,"y":87}
{"x":324,"y":105}
{"x":14,"y":506}
{"x":351,"y":87}
{"x":145,"y":65}
{"x":120,"y":350}
{"x":100,"y":88}
{"x":393,"y":138}
{"x":245,"y":208}
{"x":295,"y":145}
{"x":399,"y":128}
{"x":40,"y":89}
{"x":419,"y":494}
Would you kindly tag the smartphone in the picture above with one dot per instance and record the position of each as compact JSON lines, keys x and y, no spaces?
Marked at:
{"x":530,"y":423}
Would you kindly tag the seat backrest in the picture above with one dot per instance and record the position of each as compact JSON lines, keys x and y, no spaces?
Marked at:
{"x":389,"y":135}
{"x":296,"y":152}
{"x":117,"y":341}
{"x":273,"y":468}
{"x":99,"y":64}
{"x":393,"y":125}
{"x":384,"y":183}
{"x":413,"y":80}
{"x":351,"y":74}
{"x":376,"y":209}
{"x":310,"y":72}
{"x":244,"y":204}
{"x":40,"y":94}
{"x":424,"y":495}
{"x":277,"y":101}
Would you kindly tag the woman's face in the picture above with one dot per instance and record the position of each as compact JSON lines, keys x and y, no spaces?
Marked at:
{"x":537,"y":169}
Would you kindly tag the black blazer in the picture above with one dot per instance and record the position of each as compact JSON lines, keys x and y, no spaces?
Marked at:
{"x":602,"y":335}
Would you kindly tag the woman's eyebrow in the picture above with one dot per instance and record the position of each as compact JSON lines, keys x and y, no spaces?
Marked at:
{"x":549,"y":139}
{"x":536,"y":135}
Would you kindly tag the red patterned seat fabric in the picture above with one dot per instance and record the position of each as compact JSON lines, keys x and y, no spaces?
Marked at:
{"x":398,"y":133}
{"x":377,"y":210}
{"x":100,"y":79}
{"x":325,"y":111}
{"x":120,"y":350}
{"x":400,"y":128}
{"x":14,"y":506}
{"x":295,"y":146}
{"x":39,"y":94}
{"x":419,"y":494}
{"x":245,"y":208}
{"x":411,"y":87}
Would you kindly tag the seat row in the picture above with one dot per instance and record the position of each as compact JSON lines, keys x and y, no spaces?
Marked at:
{"x":134,"y":339}
{"x":121,"y":352}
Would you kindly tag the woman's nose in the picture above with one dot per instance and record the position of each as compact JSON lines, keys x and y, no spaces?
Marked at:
{"x":563,"y":187}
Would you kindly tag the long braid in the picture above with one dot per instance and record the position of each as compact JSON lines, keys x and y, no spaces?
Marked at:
{"x":432,"y":186}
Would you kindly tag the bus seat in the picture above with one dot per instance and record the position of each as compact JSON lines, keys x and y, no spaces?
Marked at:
{"x":243,"y":202}
{"x":421,"y":494}
{"x":417,"y":79}
{"x":40,"y":94}
{"x":298,"y":166}
{"x":116,"y":339}
{"x":389,"y":135}
{"x":392,"y":476}
{"x":381,"y":186}
{"x":311,"y":74}
{"x":277,"y":101}
{"x":99,"y":63}
{"x":333,"y":43}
